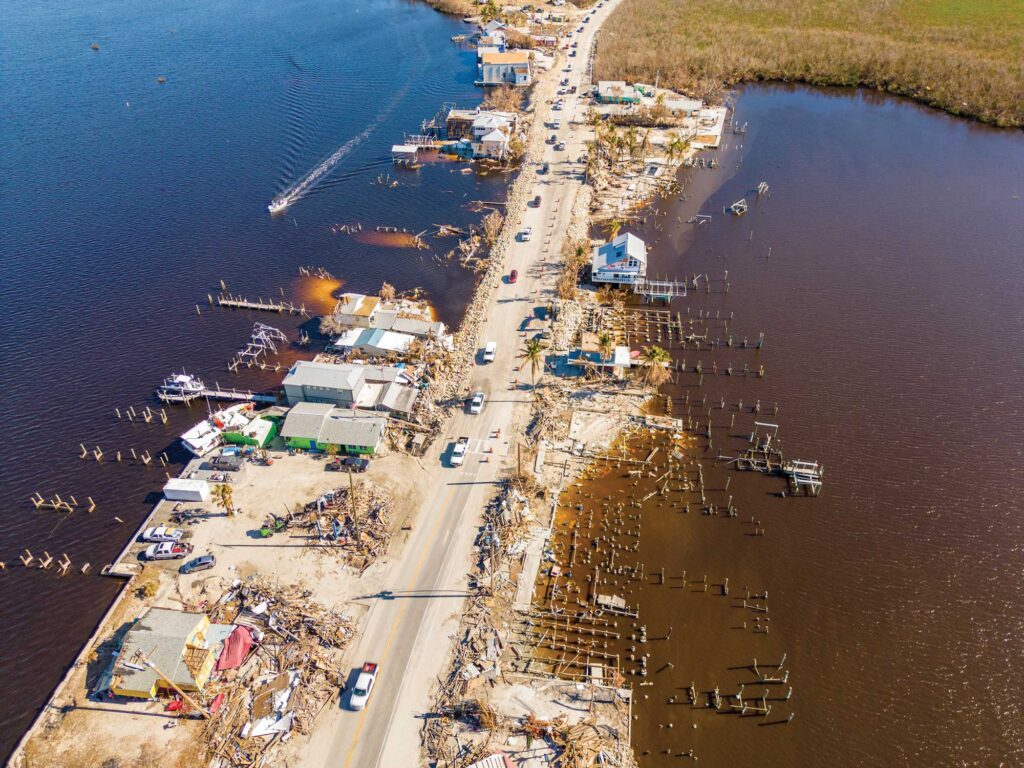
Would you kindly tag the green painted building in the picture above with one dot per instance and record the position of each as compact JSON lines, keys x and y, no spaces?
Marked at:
{"x":258,"y":432}
{"x":319,"y":426}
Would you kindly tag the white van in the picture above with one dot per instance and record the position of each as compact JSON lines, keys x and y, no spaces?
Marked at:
{"x":556,"y":123}
{"x":489,"y":351}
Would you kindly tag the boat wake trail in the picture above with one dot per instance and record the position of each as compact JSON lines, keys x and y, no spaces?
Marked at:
{"x":298,"y":190}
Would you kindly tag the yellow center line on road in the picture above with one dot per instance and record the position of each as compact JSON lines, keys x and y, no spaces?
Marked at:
{"x":398,"y":619}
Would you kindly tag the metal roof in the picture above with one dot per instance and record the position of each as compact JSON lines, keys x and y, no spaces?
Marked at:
{"x":160,"y":634}
{"x":305,"y":419}
{"x":399,"y":398}
{"x":622,"y":247}
{"x":306,"y":373}
{"x":508,"y":57}
{"x":326,"y":423}
{"x":341,"y":429}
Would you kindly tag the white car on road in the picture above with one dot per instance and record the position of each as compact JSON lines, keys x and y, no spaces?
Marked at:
{"x":459,"y":452}
{"x":364,"y":685}
{"x":526,"y":235}
{"x":476,"y":405}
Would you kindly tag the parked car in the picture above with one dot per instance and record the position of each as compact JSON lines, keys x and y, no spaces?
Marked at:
{"x":459,"y":449}
{"x":490,"y":350}
{"x":544,"y":168}
{"x":553,"y":138}
{"x":536,"y":201}
{"x":572,"y":53}
{"x":364,"y":685}
{"x":196,"y":564}
{"x":476,"y":404}
{"x":353,"y":463}
{"x":560,"y":146}
{"x":227,"y":463}
{"x":565,"y":80}
{"x":513,"y":276}
{"x":526,"y":234}
{"x":168,"y":550}
{"x":162,"y":533}
{"x":557,"y":106}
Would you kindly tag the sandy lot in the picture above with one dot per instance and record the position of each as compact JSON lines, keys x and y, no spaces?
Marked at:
{"x":136,"y":734}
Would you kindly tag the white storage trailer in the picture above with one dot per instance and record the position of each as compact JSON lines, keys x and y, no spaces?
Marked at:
{"x":183,"y":489}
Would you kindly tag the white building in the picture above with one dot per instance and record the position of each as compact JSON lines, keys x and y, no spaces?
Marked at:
{"x":409,"y":317}
{"x":508,"y":68}
{"x":379,"y":387}
{"x":373,"y":341}
{"x":623,"y":261}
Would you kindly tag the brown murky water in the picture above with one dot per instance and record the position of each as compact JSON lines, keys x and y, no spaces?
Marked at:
{"x":892,"y":304}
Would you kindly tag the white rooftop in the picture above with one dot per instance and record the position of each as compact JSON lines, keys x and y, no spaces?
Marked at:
{"x":624,"y":247}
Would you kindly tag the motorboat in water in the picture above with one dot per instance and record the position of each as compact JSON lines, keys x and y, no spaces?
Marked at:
{"x":206,"y":435}
{"x":278,"y":204}
{"x":180,"y":388}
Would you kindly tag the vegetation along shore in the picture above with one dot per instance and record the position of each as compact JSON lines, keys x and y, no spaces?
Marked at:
{"x":964,"y":58}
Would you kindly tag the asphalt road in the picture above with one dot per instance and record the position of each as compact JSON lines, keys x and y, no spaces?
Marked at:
{"x":410,"y":624}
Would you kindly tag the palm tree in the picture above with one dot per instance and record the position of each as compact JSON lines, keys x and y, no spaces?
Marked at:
{"x":533,"y":354}
{"x":613,"y":227}
{"x":489,"y":12}
{"x":605,"y":294}
{"x":593,"y":158}
{"x":655,"y":359}
{"x":645,"y":144}
{"x":387,"y":292}
{"x":606,"y":345}
{"x":676,"y":146}
{"x":631,"y":140}
{"x":612,"y":142}
{"x":658,"y":111}
{"x":670,"y":146}
{"x":224,"y":496}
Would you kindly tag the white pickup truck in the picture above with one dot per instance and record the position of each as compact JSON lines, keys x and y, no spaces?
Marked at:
{"x":459,"y":451}
{"x":364,"y":684}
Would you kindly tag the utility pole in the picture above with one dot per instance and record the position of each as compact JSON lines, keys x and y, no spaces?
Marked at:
{"x":352,"y":502}
{"x":192,"y":702}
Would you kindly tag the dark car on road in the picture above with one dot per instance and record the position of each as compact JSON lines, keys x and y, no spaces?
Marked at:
{"x":544,"y":168}
{"x":196,"y":564}
{"x":536,"y":201}
{"x":513,"y":275}
{"x":349,"y":463}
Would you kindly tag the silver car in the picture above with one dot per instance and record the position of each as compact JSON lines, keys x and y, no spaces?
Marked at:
{"x":476,"y":405}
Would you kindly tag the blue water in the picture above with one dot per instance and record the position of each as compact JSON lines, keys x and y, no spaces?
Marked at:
{"x":125,"y":200}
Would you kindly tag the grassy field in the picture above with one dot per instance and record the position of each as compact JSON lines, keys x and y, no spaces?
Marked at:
{"x":454,"y":7}
{"x":963,"y":56}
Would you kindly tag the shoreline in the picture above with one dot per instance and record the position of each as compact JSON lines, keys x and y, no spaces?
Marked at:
{"x":958,"y":65}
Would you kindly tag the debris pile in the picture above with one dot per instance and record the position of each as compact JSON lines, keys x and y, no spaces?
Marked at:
{"x":351,"y":523}
{"x":486,"y":619}
{"x":285,"y":679}
{"x":568,"y":321}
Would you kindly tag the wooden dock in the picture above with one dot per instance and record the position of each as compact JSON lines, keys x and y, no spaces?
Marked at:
{"x":219,"y":393}
{"x":240,"y":302}
{"x":665,"y":290}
